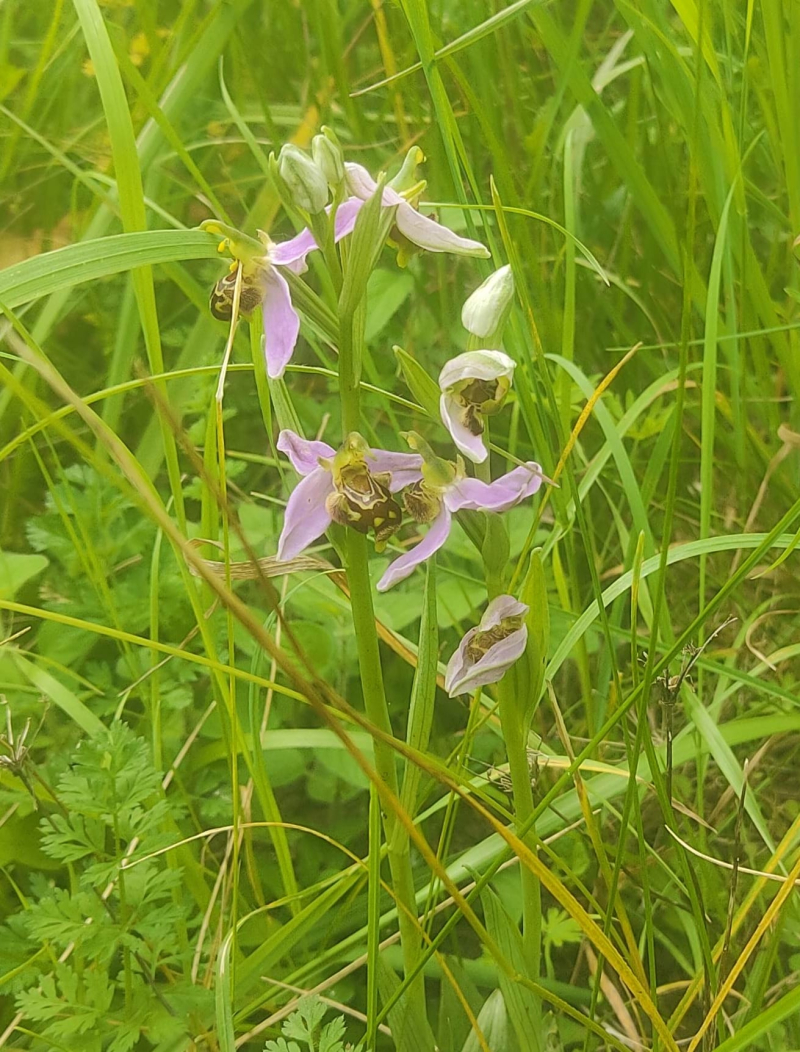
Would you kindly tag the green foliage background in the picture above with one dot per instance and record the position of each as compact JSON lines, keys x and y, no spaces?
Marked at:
{"x":638,"y":163}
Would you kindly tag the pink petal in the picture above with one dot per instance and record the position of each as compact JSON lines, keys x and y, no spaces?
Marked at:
{"x":359,"y":180}
{"x":292,"y":252}
{"x":500,"y":495}
{"x":346,"y":215}
{"x":424,"y":232}
{"x":458,"y":665}
{"x":433,"y":540}
{"x":281,"y":324}
{"x":306,"y":517}
{"x":303,"y":455}
{"x":501,"y":607}
{"x":470,"y":445}
{"x":364,"y":186}
{"x":405,"y":468}
{"x":432,"y":236}
{"x":462,"y":675}
{"x":494,"y":664}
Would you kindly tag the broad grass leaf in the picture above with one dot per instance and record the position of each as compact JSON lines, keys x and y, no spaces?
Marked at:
{"x":453,"y":1026}
{"x":281,"y":943}
{"x":224,"y":996}
{"x":493,"y":1021}
{"x":387,"y":291}
{"x":89,"y":261}
{"x":61,"y":696}
{"x":524,"y":1009}
{"x":410,"y":1033}
{"x":422,"y":386}
{"x":16,"y":569}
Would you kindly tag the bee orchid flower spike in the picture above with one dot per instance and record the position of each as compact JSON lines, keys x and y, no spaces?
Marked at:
{"x":473,"y":385}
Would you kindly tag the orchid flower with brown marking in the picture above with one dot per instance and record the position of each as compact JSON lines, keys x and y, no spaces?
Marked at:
{"x":443,"y":489}
{"x":489,"y":650}
{"x":263,"y":284}
{"x":412,"y":231}
{"x":353,"y":486}
{"x":473,"y":385}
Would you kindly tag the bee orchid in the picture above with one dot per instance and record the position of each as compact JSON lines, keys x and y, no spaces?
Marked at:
{"x":353,"y":486}
{"x":443,"y":489}
{"x":489,"y":650}
{"x":263,"y":284}
{"x":263,"y":260}
{"x":473,"y":385}
{"x":412,"y":231}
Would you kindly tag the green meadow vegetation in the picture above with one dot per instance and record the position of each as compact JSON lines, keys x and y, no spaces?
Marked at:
{"x":248,"y":799}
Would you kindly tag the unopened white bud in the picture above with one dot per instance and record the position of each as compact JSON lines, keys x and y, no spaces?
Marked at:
{"x":485,"y":310}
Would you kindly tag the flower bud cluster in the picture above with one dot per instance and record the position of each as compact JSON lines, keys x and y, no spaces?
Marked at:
{"x":310,"y":180}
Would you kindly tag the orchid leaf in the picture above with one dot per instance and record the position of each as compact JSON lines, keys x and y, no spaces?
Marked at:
{"x":422,"y":386}
{"x":369,"y":236}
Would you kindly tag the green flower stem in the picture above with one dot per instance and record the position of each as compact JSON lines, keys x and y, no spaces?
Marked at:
{"x":495,"y":542}
{"x":349,"y":376}
{"x":460,"y":757}
{"x":369,"y":662}
{"x":515,"y":734}
{"x":322,"y":227}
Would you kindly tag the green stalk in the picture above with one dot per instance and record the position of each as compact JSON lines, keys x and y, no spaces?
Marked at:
{"x":461,"y":756}
{"x":349,"y":373}
{"x":515,"y":724}
{"x":360,"y":586}
{"x":515,"y":734}
{"x":378,"y":713}
{"x":373,"y":916}
{"x":235,"y":728}
{"x":496,"y":548}
{"x":322,"y":227}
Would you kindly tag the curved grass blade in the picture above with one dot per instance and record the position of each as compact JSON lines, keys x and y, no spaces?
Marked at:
{"x":61,"y":696}
{"x":87,"y":261}
{"x":681,"y":552}
{"x":223,"y":996}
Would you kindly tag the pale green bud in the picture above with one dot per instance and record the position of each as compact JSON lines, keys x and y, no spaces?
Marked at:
{"x":406,"y":178}
{"x":327,"y":154}
{"x":485,"y":310}
{"x":306,"y":182}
